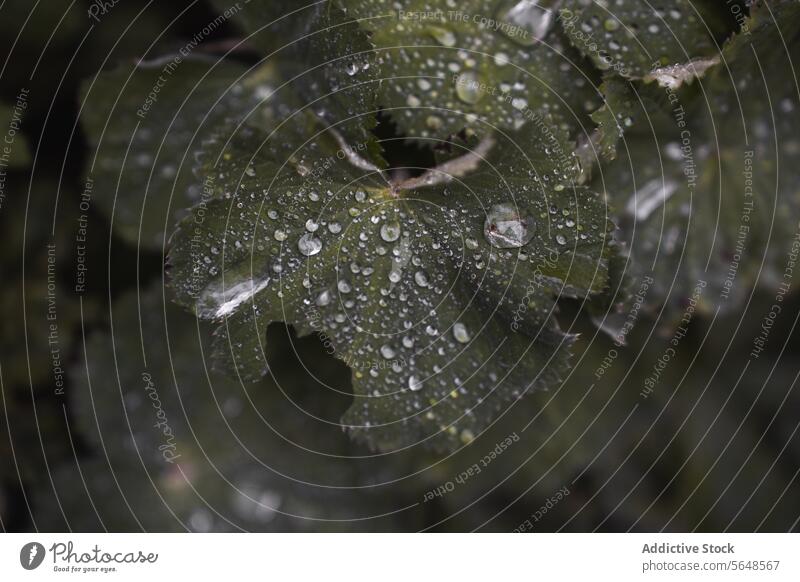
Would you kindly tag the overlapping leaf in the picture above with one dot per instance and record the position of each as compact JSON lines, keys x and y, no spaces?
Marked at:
{"x":475,"y":64}
{"x":324,"y":56}
{"x":631,"y":38}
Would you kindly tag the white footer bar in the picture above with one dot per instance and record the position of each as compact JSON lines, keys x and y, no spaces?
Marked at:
{"x":400,"y":557}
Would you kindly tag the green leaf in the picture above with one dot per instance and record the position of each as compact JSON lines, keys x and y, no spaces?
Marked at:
{"x":478,"y":65}
{"x":707,"y":190}
{"x":632,"y":38}
{"x":177,"y":447}
{"x":398,"y":278}
{"x":324,"y":57}
{"x":626,"y":106}
{"x":331,"y":66}
{"x":146,"y":123}
{"x":611,"y":118}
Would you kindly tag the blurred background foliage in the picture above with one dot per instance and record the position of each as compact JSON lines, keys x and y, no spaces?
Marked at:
{"x":713,"y":447}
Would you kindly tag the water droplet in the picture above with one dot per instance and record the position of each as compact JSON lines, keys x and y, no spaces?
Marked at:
{"x":561,"y":239}
{"x":519,"y":103}
{"x":351,"y":69}
{"x":421,"y":278}
{"x":531,"y":20}
{"x":433,"y":122}
{"x":390,"y":231}
{"x":414,"y":383}
{"x":442,"y":35}
{"x":343,"y":286}
{"x":506,"y":228}
{"x":501,"y":59}
{"x":468,"y":88}
{"x":280,"y":235}
{"x":387,"y":351}
{"x":309,"y":245}
{"x":461,"y":333}
{"x":312,"y":225}
{"x":673,"y":151}
{"x":323,"y":298}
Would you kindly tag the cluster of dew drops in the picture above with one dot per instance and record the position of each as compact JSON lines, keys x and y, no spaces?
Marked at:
{"x":526,"y":23}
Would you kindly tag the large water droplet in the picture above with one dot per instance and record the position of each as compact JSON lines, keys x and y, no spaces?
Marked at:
{"x":390,"y":231}
{"x":387,"y":351}
{"x":309,"y":245}
{"x":530,"y":20}
{"x":461,"y":333}
{"x":414,"y":383}
{"x":507,"y":228}
{"x":442,"y":35}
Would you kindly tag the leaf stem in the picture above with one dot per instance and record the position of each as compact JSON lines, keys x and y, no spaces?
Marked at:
{"x":444,"y":173}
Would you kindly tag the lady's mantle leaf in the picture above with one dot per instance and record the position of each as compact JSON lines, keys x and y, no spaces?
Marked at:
{"x":477,"y":64}
{"x":720,"y":203}
{"x":436,"y":69}
{"x":324,"y":56}
{"x":302,"y":230}
{"x":632,"y":38}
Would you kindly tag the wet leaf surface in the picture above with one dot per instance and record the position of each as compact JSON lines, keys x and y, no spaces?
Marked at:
{"x":417,"y":285}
